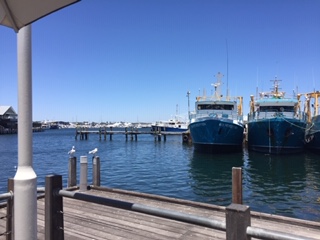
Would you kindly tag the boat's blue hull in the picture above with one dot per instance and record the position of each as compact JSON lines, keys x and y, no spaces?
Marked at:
{"x":276,"y":135}
{"x":216,"y":135}
{"x":168,"y":129}
{"x":312,"y":137}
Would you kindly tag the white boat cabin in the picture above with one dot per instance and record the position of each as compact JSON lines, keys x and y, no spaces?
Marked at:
{"x":275,"y":107}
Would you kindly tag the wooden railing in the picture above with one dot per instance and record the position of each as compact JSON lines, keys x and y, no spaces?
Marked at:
{"x":237,"y":224}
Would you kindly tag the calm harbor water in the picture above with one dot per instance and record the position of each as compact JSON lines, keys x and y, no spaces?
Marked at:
{"x":283,"y":185}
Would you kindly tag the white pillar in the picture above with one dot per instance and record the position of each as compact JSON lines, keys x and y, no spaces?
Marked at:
{"x":25,"y":180}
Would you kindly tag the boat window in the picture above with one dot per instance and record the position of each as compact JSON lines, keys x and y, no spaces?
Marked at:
{"x":276,"y":108}
{"x":215,"y":107}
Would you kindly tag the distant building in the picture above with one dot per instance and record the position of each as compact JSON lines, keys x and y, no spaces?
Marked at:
{"x":8,"y":117}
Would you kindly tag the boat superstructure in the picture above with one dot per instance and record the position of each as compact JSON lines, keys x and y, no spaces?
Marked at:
{"x":216,"y":125}
{"x":172,"y":125}
{"x":312,"y":134}
{"x":176,"y":124}
{"x":276,"y":124}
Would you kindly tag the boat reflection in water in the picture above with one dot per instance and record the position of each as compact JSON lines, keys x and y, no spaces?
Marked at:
{"x":211,"y":176}
{"x":275,"y":184}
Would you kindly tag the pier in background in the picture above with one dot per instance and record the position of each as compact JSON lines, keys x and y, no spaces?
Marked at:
{"x":129,"y":133}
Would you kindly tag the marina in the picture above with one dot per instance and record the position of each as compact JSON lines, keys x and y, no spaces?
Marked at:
{"x":147,"y":191}
{"x":286,"y":185}
{"x":134,"y":67}
{"x":179,"y":193}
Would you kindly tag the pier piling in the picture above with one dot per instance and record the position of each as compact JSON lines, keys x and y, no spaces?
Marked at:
{"x":238,"y":218}
{"x":72,"y":172}
{"x":9,"y":224}
{"x":83,"y":173}
{"x":236,"y":185}
{"x":96,"y":171}
{"x":53,"y":208}
{"x":131,"y":133}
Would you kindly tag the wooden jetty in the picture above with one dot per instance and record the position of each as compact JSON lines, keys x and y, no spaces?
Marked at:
{"x":85,"y":220}
{"x":4,"y":131}
{"x":131,"y":133}
{"x":95,"y":212}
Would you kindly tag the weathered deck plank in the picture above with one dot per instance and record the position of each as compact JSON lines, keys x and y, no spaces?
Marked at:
{"x":83,"y":220}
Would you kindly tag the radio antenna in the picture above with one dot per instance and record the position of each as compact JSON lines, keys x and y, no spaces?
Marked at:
{"x":227,"y":70}
{"x":314,"y":85}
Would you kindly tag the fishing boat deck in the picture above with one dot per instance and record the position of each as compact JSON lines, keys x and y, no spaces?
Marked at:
{"x":84,"y":220}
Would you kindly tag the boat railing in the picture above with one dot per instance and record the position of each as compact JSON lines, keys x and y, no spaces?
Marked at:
{"x":231,"y":116}
{"x":216,"y":98}
{"x":257,"y":115}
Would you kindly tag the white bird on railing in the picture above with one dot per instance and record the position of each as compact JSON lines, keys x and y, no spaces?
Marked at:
{"x":72,"y":151}
{"x":94,"y":151}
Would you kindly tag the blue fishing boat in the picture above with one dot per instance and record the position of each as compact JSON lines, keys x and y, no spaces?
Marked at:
{"x":217,"y":124}
{"x":275,"y":123}
{"x":312,"y":134}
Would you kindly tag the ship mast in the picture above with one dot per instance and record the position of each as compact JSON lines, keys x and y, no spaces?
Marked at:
{"x":216,"y":86}
{"x":275,"y":90}
{"x":188,"y":95}
{"x":227,"y":97}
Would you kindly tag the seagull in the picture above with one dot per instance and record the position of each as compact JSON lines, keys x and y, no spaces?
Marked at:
{"x":72,"y":151}
{"x":94,"y":151}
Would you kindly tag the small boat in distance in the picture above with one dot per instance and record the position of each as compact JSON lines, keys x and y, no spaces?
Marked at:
{"x":174,"y":125}
{"x":275,"y":123}
{"x":216,"y":125}
{"x":312,"y":134}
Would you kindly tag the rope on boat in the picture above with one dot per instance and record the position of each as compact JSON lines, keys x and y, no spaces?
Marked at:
{"x":304,"y":128}
{"x":311,"y":135}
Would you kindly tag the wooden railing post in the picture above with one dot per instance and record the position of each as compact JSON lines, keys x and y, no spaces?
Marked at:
{"x":237,"y":221}
{"x":83,"y":173}
{"x":236,"y":185}
{"x":9,"y":226}
{"x":53,"y":208}
{"x":96,"y":171}
{"x":72,"y":173}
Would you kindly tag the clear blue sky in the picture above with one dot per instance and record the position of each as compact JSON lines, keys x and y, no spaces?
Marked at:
{"x":135,"y":60}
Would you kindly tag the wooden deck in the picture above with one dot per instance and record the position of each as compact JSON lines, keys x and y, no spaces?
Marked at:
{"x":83,"y":220}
